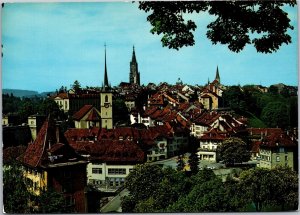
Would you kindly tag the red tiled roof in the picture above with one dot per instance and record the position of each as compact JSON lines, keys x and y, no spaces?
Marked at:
{"x":73,"y":134}
{"x":37,"y":153}
{"x":60,"y":95}
{"x":213,"y":134}
{"x":94,"y":115}
{"x":111,"y":151}
{"x":207,"y":118}
{"x":275,"y":140}
{"x":82,"y":112}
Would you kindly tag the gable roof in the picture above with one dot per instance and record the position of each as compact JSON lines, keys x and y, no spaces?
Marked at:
{"x":82,"y":112}
{"x":93,"y":115}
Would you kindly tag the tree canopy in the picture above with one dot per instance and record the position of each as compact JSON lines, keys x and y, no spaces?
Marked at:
{"x":233,"y":150}
{"x":237,"y":23}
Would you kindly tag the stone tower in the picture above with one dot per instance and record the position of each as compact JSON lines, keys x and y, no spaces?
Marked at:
{"x":106,"y":101}
{"x":134,"y":76}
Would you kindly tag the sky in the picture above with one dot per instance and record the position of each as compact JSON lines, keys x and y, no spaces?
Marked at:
{"x":49,"y":45}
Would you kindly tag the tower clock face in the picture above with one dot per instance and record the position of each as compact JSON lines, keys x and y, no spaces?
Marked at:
{"x":106,"y":105}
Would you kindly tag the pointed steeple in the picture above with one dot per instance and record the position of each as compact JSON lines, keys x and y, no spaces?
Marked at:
{"x":105,"y":84}
{"x":133,"y":56}
{"x":134,"y":75}
{"x":217,"y":75}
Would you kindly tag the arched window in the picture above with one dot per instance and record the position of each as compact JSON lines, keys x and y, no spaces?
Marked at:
{"x":106,"y":98}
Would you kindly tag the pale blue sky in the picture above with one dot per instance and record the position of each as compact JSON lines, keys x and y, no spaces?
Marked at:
{"x":47,"y":45}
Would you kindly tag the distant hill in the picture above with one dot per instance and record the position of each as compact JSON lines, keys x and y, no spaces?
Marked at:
{"x":24,"y":93}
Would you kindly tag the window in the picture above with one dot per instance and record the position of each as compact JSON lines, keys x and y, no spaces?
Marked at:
{"x":121,"y":171}
{"x":106,"y":98}
{"x":286,"y":158}
{"x":97,"y":170}
{"x":277,"y":158}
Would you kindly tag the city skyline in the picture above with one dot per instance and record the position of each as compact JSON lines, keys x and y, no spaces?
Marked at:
{"x":48,"y":45}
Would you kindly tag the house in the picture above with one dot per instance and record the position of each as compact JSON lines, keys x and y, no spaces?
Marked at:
{"x":278,"y":149}
{"x":63,"y":101}
{"x":111,"y":157}
{"x":209,"y":143}
{"x":88,"y":116}
{"x":50,"y":162}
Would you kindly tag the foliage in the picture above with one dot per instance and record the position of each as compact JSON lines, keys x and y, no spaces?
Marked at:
{"x":275,"y":114}
{"x":180,"y":163}
{"x":15,"y":195}
{"x":260,"y":108}
{"x":143,"y":180}
{"x":120,"y":110}
{"x":10,"y":103}
{"x":255,"y":184}
{"x":237,"y":23}
{"x":76,"y":86}
{"x":194,"y":162}
{"x":208,"y":194}
{"x":233,"y":150}
{"x":51,"y":201}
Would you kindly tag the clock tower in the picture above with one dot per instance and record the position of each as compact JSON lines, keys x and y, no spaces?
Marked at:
{"x":106,"y":101}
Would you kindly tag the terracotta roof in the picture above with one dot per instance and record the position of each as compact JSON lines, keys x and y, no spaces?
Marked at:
{"x":111,"y":151}
{"x":82,"y":112}
{"x":37,"y":153}
{"x":73,"y":134}
{"x":275,"y":140}
{"x":213,"y":134}
{"x":60,"y":95}
{"x":207,"y":118}
{"x":93,"y":115}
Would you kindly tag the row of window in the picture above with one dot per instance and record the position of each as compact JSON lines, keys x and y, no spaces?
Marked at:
{"x":111,"y":171}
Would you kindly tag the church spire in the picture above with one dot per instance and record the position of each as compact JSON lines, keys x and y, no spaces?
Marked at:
{"x":133,"y":56}
{"x":134,"y":75}
{"x":217,"y":75}
{"x":105,"y":85}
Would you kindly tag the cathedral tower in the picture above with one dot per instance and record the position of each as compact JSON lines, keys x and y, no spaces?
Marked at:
{"x":134,"y":76}
{"x":106,"y":101}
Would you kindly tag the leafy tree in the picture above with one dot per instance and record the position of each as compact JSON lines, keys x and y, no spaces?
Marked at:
{"x":273,"y":90}
{"x":194,"y":162}
{"x":265,"y":187}
{"x":233,"y":150}
{"x":285,"y":188}
{"x":15,"y":194}
{"x":233,"y":97}
{"x":237,"y":23}
{"x":49,"y":106}
{"x":51,"y":201}
{"x":208,"y":194}
{"x":121,"y":114}
{"x":143,"y":180}
{"x":276,"y":114}
{"x":76,"y":86}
